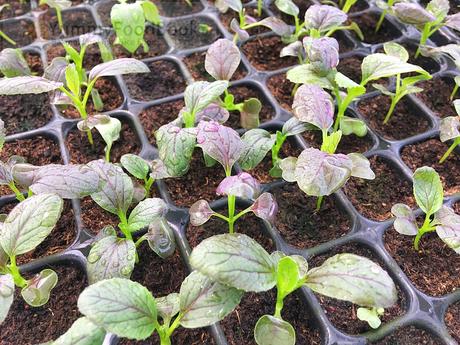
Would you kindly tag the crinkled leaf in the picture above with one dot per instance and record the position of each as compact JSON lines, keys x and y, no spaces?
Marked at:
{"x":159,"y":170}
{"x":361,"y":166}
{"x":257,"y":143}
{"x":135,"y":165}
{"x":37,"y":291}
{"x":235,"y":260}
{"x":200,"y":94}
{"x":68,"y":181}
{"x":111,"y":257}
{"x":265,"y":207}
{"x":322,"y":53}
{"x":428,"y":190}
{"x":354,"y":279}
{"x":351,"y":125}
{"x":120,"y":306}
{"x":412,"y":13}
{"x":449,"y":128}
{"x":250,"y":113}
{"x":118,"y":67}
{"x":27,"y":85}
{"x":146,"y":212}
{"x":82,"y":332}
{"x":242,"y":185}
{"x":29,"y":223}
{"x":116,"y":194}
{"x":306,"y":74}
{"x":323,"y":17}
{"x":213,"y":112}
{"x":168,"y":306}
{"x":314,"y":105}
{"x":13,"y":63}
{"x":160,"y":238}
{"x":6,"y":295}
{"x":203,"y":302}
{"x":405,"y":222}
{"x":200,"y":212}
{"x":222,"y":59}
{"x":270,"y":330}
{"x":449,"y":228}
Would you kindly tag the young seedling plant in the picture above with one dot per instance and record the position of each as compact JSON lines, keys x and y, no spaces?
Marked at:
{"x":2,"y":34}
{"x":128,"y":310}
{"x":428,"y":193}
{"x":238,"y":261}
{"x":129,"y":21}
{"x":58,"y":6}
{"x":242,"y":186}
{"x":449,"y":130}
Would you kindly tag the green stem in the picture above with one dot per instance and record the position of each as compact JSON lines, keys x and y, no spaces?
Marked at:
{"x":390,"y":111}
{"x":279,"y":305}
{"x":16,"y":191}
{"x":423,"y":38}
{"x":7,"y":38}
{"x":381,"y":19}
{"x":148,"y":185}
{"x":124,"y":225}
{"x":140,"y":240}
{"x":319,"y":201}
{"x":59,"y":18}
{"x":14,"y":270}
{"x":280,"y":139}
{"x":259,"y":7}
{"x":449,"y":151}
{"x":107,"y":153}
{"x":426,"y":227}
{"x":231,"y":213}
{"x":175,"y":324}
{"x":452,"y":95}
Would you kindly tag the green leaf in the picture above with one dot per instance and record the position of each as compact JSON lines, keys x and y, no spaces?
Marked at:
{"x":6,"y":295}
{"x":204,"y":302}
{"x":350,"y":125}
{"x":306,"y":74}
{"x":29,"y":223}
{"x":120,"y":306}
{"x":111,"y":257}
{"x":428,"y":190}
{"x":146,"y":212}
{"x":38,"y":289}
{"x":288,"y":7}
{"x":371,"y":316}
{"x":82,"y":332}
{"x":287,"y":276}
{"x":27,"y":85}
{"x":125,"y":18}
{"x":72,"y":79}
{"x":396,"y":50}
{"x":109,"y":131}
{"x":135,"y":165}
{"x":235,"y":260}
{"x":355,"y":279}
{"x":258,"y":142}
{"x":270,"y":330}
{"x":151,"y":12}
{"x":200,"y":94}
{"x":250,"y":113}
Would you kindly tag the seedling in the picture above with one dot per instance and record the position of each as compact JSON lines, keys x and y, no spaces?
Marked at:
{"x":2,"y":34}
{"x":320,"y":21}
{"x":129,"y":22}
{"x":22,"y":230}
{"x":404,"y":86}
{"x":428,"y":193}
{"x":385,"y":7}
{"x":242,"y":186}
{"x":128,"y":310}
{"x":58,"y":6}
{"x":13,"y":63}
{"x":449,"y":130}
{"x":245,"y":22}
{"x":238,"y":261}
{"x":222,"y":60}
{"x":139,"y":168}
{"x":427,"y":20}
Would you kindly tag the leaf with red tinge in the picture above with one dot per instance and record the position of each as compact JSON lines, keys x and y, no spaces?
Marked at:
{"x":222,"y":59}
{"x":265,"y":207}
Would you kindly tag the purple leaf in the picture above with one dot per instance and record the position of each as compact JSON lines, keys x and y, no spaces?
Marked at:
{"x":27,"y":85}
{"x":453,"y":21}
{"x":235,"y":27}
{"x":242,"y":185}
{"x":265,"y":207}
{"x":449,"y":128}
{"x":412,"y":13}
{"x":221,"y":143}
{"x":324,"y":17}
{"x":405,"y":220}
{"x":323,"y":53}
{"x":200,"y":212}
{"x":56,"y":70}
{"x":449,"y":229}
{"x":13,"y":63}
{"x":118,"y":67}
{"x":313,"y":105}
{"x":257,"y":144}
{"x":213,"y":112}
{"x":222,"y":59}
{"x":276,"y":25}
{"x":293,"y":49}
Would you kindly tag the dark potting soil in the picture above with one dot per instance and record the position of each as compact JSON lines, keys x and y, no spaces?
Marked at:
{"x":162,"y":277}
{"x":183,"y":190}
{"x":154,"y":39}
{"x":81,"y":151}
{"x":60,"y":238}
{"x":406,"y":121}
{"x":15,"y":9}
{"x":367,"y":22}
{"x":75,"y":23}
{"x":94,"y":218}
{"x":429,"y":153}
{"x":348,"y":143}
{"x":103,"y":9}
{"x":410,"y":335}
{"x":343,"y":314}
{"x":239,"y":325}
{"x":372,"y":198}
{"x":226,"y":19}
{"x":26,"y":325}
{"x":436,"y":96}
{"x":281,"y":88}
{"x":243,"y":93}
{"x":452,"y":320}
{"x":351,"y":67}
{"x":262,"y":171}
{"x":92,"y":53}
{"x":34,"y":61}
{"x":165,"y":79}
{"x":186,"y":34}
{"x":22,"y":31}
{"x":248,"y":224}
{"x":195,"y":64}
{"x":264,"y":53}
{"x":152,"y":118}
{"x":434,"y":269}
{"x":176,"y":8}
{"x":23,"y":113}
{"x":301,"y":225}
{"x":111,"y":96}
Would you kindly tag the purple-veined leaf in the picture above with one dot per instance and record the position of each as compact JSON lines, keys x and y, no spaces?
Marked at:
{"x":67,"y":181}
{"x":361,"y":166}
{"x":159,"y":170}
{"x":242,"y":185}
{"x":293,"y":127}
{"x":257,"y":144}
{"x":224,"y":5}
{"x":355,"y":279}
{"x":405,"y":222}
{"x":313,"y":105}
{"x":160,"y":238}
{"x":412,"y":13}
{"x":168,"y":306}
{"x":243,"y":35}
{"x":13,"y":63}
{"x":37,"y":291}
{"x":453,"y":21}
{"x":324,"y":17}
{"x":200,"y":94}
{"x":118,"y":67}
{"x":146,"y":212}
{"x":449,"y":128}
{"x":249,"y":114}
{"x":6,"y":295}
{"x":213,"y":112}
{"x":265,"y":207}
{"x":449,"y":228}
{"x":276,"y":25}
{"x":222,"y":59}
{"x":90,"y":38}
{"x":221,"y":143}
{"x":288,"y":167}
{"x":175,"y":147}
{"x":200,"y":212}
{"x":56,"y":70}
{"x":270,"y":330}
{"x":92,"y":121}
{"x":27,"y":85}
{"x":6,"y":169}
{"x":323,"y":53}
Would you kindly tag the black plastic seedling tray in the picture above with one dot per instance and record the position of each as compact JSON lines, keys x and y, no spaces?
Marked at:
{"x":421,"y":310}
